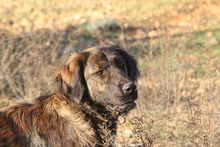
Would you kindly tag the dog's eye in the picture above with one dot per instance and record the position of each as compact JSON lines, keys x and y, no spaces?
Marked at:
{"x":99,"y":72}
{"x":121,"y":65}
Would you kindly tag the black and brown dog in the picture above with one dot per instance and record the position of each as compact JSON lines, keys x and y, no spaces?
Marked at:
{"x":94,"y":88}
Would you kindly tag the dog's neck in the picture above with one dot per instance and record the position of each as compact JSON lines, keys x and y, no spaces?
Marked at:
{"x":103,"y":120}
{"x":98,"y":117}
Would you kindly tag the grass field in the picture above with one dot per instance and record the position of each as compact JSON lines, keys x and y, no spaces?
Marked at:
{"x":176,"y":42}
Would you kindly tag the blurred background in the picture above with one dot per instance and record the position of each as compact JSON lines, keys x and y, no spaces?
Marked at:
{"x":176,"y":42}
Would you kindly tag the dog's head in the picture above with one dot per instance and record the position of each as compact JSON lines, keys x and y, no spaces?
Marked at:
{"x":106,"y":75}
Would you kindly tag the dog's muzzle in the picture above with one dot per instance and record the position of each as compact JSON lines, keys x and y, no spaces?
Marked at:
{"x":124,"y":108}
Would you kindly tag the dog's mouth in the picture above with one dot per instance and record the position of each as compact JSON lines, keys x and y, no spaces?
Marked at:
{"x":124,"y":108}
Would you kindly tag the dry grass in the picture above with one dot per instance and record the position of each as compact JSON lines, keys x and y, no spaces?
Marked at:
{"x":177,"y":43}
{"x":178,"y":104}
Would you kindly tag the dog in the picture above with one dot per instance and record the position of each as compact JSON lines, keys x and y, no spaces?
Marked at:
{"x":94,"y":88}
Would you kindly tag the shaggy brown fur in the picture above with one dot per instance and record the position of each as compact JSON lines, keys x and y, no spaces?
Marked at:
{"x":94,"y":88}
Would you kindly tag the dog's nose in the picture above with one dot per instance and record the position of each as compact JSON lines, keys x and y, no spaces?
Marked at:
{"x":129,"y":88}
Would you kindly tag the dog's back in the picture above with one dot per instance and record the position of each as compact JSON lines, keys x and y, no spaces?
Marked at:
{"x":50,"y":121}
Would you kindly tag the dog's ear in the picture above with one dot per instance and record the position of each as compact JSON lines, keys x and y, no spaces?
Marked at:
{"x":131,"y":63}
{"x":70,"y":79}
